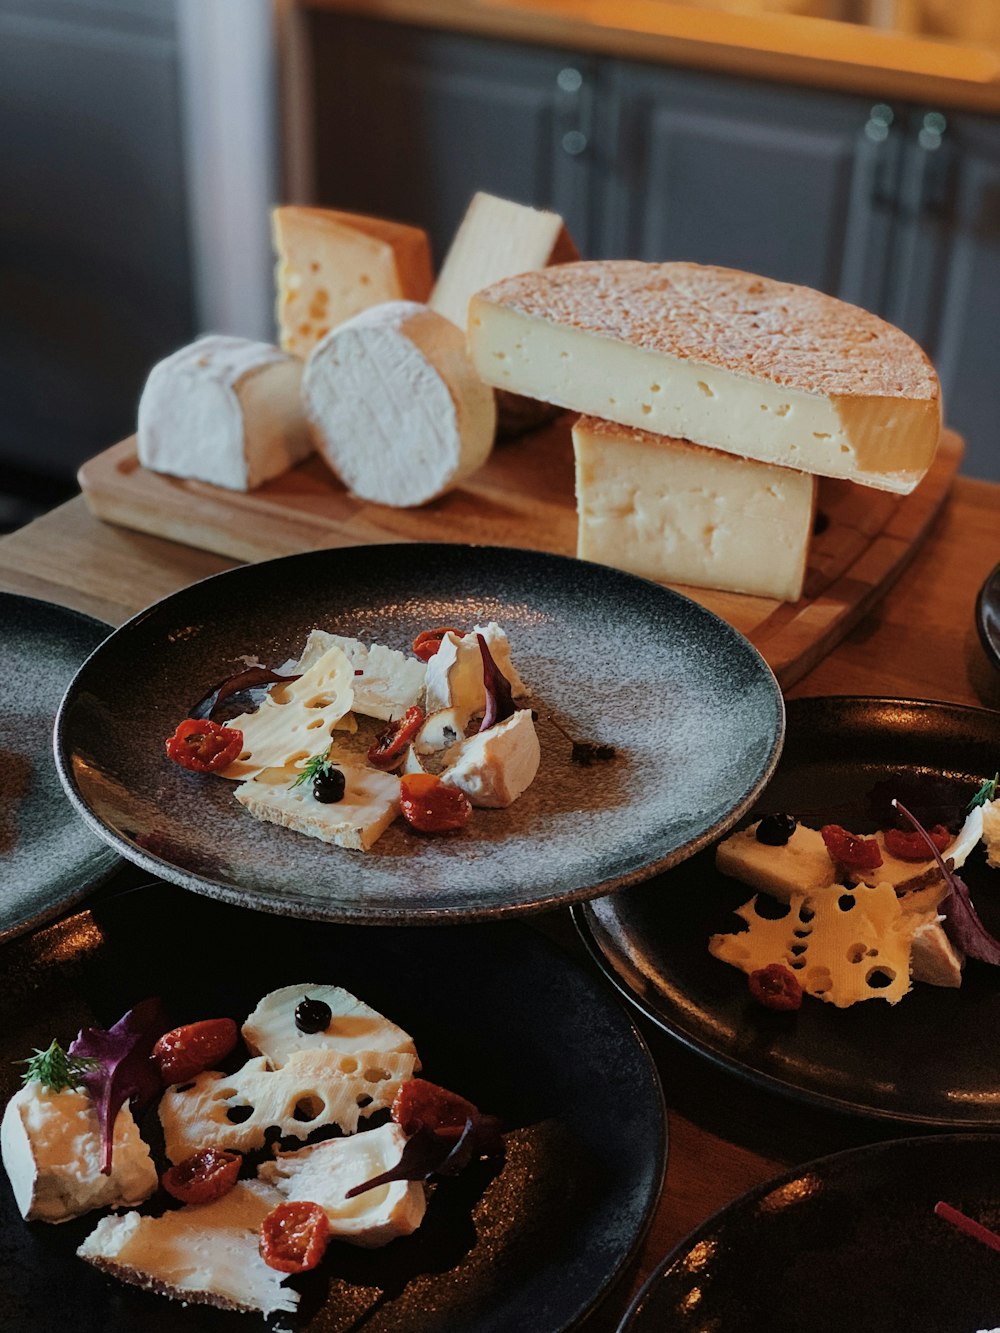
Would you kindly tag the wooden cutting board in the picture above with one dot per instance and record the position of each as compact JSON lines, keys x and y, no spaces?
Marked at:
{"x":524,"y":497}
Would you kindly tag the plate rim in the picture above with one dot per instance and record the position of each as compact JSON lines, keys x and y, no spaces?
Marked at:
{"x":989,"y":645}
{"x":166,"y":870}
{"x":589,"y":933}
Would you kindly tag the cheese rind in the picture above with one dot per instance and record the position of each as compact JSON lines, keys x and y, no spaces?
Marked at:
{"x":681,"y":513}
{"x":224,"y":410}
{"x":397,"y":410}
{"x":763,"y":369}
{"x":354,"y":1026}
{"x":332,"y":265}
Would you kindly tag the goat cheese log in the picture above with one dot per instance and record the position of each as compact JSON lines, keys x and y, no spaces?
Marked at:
{"x":397,"y":410}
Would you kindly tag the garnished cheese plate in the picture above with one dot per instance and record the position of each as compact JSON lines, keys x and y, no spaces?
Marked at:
{"x":692,"y":711}
{"x":928,"y":1060}
{"x":496,"y":1008}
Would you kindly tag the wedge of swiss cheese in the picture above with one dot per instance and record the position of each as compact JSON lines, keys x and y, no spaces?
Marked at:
{"x":763,"y":369}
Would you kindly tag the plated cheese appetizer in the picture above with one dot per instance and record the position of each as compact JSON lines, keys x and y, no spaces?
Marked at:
{"x":847,"y":917}
{"x":232,"y":1214}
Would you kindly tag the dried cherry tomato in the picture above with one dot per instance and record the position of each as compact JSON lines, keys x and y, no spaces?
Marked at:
{"x":432,"y":806}
{"x":428,"y":641}
{"x":390,"y":747}
{"x":294,"y":1236}
{"x":203,"y":746}
{"x":204,"y":1176}
{"x":776,"y":987}
{"x":420,"y":1104}
{"x":911,"y":846}
{"x":186,"y":1051}
{"x":851,"y":852}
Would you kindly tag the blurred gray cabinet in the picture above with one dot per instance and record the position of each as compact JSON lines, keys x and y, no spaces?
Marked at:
{"x":94,"y":255}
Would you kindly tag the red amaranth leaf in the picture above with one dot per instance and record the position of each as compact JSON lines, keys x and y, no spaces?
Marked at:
{"x":125,"y":1069}
{"x":427,"y":1153}
{"x":499,"y":699}
{"x":961,"y":921}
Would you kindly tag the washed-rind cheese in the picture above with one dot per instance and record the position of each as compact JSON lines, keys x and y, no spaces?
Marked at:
{"x":312,"y":1089}
{"x":763,"y":369}
{"x":206,"y":1254}
{"x":354,"y":1026}
{"x":224,"y":410}
{"x":386,"y":682}
{"x":681,"y":513}
{"x":332,"y":265}
{"x":369,"y":805}
{"x":52,"y":1151}
{"x":397,"y":410}
{"x":324,"y":1172}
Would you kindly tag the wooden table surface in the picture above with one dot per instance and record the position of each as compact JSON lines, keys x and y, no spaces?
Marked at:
{"x":725,"y":1135}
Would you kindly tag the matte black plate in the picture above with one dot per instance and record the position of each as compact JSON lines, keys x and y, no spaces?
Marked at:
{"x":931,"y":1059}
{"x":988,"y":616}
{"x":497,"y":1012}
{"x":850,"y":1242}
{"x":692,"y":707}
{"x":48,"y":857}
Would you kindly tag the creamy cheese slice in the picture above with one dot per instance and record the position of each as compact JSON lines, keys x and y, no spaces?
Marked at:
{"x":386,"y":682}
{"x":369,"y":805}
{"x":681,"y":513}
{"x":324,"y":1172}
{"x":454,"y":676}
{"x":206,"y":1254}
{"x":354,"y":1026}
{"x":763,"y":369}
{"x":311,"y":1090}
{"x":51,"y":1146}
{"x":496,"y":766}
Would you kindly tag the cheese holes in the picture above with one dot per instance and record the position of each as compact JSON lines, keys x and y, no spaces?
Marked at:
{"x":880,"y":977}
{"x":309,"y":1108}
{"x":856,"y":953}
{"x":819,"y":980}
{"x":846,"y":901}
{"x":363,"y":1100}
{"x":374,"y":1075}
{"x":347,"y":1065}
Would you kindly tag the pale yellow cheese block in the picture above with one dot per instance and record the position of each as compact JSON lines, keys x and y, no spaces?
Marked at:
{"x":763,"y":369}
{"x":333,"y":265}
{"x":681,"y":513}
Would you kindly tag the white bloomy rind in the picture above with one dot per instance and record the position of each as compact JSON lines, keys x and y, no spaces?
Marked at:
{"x":226,"y":411}
{"x":494,"y":767}
{"x":397,"y":410}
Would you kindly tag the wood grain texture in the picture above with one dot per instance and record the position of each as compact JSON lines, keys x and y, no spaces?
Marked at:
{"x":524,"y":497}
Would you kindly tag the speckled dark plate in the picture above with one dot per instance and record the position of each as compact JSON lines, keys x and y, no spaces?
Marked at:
{"x":931,"y":1059}
{"x":692,"y":707}
{"x":988,"y":616}
{"x":847,"y":1242}
{"x":48,"y":857}
{"x":497,"y":1012}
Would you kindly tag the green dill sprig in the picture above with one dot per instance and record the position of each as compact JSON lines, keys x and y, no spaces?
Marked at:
{"x":987,"y":792}
{"x":314,"y":768}
{"x":55,"y":1069}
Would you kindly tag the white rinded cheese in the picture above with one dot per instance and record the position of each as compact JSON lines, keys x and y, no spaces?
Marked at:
{"x":206,"y":1254}
{"x":836,"y":951}
{"x":324,"y":1172}
{"x":331,"y":265}
{"x":397,"y":410}
{"x":455,"y":673}
{"x":730,"y":360}
{"x":990,"y":813}
{"x":389,"y":683}
{"x":369,"y":805}
{"x":354,"y":1026}
{"x":439,"y":731}
{"x":933,"y":957}
{"x":495,"y":766}
{"x":51,"y":1145}
{"x":224,"y":410}
{"x":295,"y":721}
{"x":681,"y":513}
{"x":312,"y":1089}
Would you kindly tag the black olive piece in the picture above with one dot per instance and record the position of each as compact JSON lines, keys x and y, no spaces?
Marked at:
{"x":312,"y":1015}
{"x":775,"y":830}
{"x":329,"y":785}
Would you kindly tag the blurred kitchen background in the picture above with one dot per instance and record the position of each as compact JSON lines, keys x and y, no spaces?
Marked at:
{"x":852,"y":145}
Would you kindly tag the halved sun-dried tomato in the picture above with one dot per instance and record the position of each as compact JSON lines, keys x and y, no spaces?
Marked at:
{"x":911,"y":846}
{"x":428,"y":641}
{"x":203,"y":746}
{"x":420,"y":1104}
{"x":184,"y":1052}
{"x":431,"y":806}
{"x":388,"y":750}
{"x":204,"y":1176}
{"x":775,"y":987}
{"x":849,"y":851}
{"x":294,"y":1236}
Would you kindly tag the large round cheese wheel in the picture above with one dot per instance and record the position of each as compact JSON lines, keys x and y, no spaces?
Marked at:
{"x":397,"y":410}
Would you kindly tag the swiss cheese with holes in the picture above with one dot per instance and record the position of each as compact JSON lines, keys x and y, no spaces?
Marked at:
{"x":386,"y":682}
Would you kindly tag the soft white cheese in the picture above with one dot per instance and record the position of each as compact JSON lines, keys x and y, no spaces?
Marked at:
{"x":990,"y":813}
{"x":206,"y":1253}
{"x":455,"y":673}
{"x":354,"y":1026}
{"x":51,"y":1145}
{"x":370,"y":803}
{"x":496,"y":766}
{"x":389,"y":682}
{"x":325,"y":1172}
{"x":224,"y":410}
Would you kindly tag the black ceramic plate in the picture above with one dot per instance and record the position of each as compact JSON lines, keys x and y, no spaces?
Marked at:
{"x":48,"y":857}
{"x":497,"y":1013}
{"x":693,"y":709}
{"x":850,"y":1242}
{"x":988,"y":616}
{"x":931,"y":1059}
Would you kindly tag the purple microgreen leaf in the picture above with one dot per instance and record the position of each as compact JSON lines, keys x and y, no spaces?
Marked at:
{"x":427,"y":1153}
{"x":124,"y":1069}
{"x":961,"y":921}
{"x":967,"y":1225}
{"x":250,"y":678}
{"x":499,"y":699}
